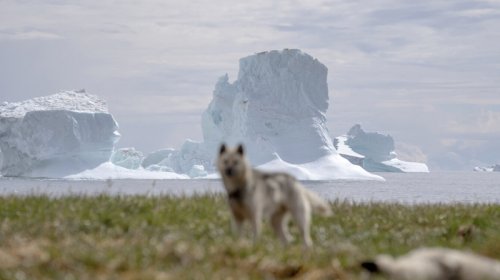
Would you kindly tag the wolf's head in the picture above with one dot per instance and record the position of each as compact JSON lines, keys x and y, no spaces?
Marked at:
{"x":231,"y":162}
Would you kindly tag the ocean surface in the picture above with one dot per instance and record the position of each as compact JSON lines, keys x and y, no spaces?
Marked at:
{"x":435,"y":187}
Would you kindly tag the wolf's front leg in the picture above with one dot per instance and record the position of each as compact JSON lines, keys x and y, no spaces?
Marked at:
{"x":237,"y":226}
{"x":256,"y":224}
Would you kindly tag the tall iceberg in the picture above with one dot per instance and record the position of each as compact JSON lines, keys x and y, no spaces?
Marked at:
{"x":277,"y":109}
{"x":277,"y":105}
{"x":55,"y":135}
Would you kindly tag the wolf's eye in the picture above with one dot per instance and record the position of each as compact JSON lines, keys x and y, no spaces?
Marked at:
{"x":226,"y":162}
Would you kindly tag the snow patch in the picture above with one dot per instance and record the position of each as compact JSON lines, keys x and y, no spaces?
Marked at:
{"x":108,"y":170}
{"x":329,"y":167}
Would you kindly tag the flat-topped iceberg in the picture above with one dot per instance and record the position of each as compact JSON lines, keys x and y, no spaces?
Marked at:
{"x":70,"y":135}
{"x":277,"y":109}
{"x":55,"y":135}
{"x":373,"y":151}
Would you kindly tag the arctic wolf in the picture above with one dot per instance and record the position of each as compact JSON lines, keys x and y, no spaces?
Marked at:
{"x":434,"y":264}
{"x":254,"y":195}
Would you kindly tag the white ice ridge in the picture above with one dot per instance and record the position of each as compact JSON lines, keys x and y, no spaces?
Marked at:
{"x":277,"y":109}
{"x":56,"y":135}
{"x":76,"y":101}
{"x":374,"y":152}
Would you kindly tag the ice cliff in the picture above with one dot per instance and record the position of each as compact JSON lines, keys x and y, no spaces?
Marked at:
{"x":277,"y":104}
{"x":374,"y":152}
{"x":55,"y":135}
{"x":277,"y":108}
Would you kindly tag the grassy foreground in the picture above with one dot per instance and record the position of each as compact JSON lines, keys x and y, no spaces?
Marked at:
{"x":189,"y":238}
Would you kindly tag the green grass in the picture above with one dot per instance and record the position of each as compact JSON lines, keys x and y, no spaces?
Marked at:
{"x":138,"y":237}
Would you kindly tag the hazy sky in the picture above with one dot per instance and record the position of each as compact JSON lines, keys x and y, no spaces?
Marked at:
{"x":425,"y":72}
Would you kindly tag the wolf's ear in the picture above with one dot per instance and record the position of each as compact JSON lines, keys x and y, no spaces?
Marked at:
{"x":240,"y":149}
{"x":222,"y":149}
{"x":370,"y":266}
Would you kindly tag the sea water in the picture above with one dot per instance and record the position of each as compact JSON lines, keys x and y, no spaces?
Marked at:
{"x":435,"y":187}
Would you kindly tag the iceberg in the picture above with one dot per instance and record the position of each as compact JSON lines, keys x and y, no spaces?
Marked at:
{"x":55,"y":135}
{"x":374,"y":152}
{"x":493,"y":168}
{"x":277,"y":109}
{"x":156,"y":157}
{"x":197,"y":171}
{"x":129,"y":158}
{"x":277,"y":104}
{"x":69,"y":135}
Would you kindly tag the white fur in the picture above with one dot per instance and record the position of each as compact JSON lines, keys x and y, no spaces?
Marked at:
{"x":254,"y":195}
{"x":438,"y":263}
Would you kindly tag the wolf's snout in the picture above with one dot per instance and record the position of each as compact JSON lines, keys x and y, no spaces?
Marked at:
{"x":229,"y":172}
